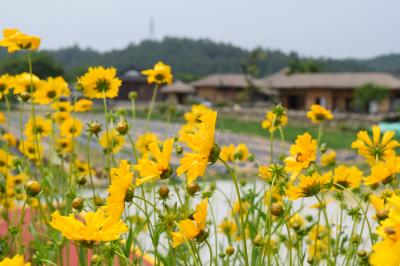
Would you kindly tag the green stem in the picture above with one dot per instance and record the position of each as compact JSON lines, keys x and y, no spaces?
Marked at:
{"x":108,"y":150}
{"x":328,"y":227}
{"x":21,"y":220}
{"x":210,"y":250}
{"x":90,"y":166}
{"x":153,"y":100}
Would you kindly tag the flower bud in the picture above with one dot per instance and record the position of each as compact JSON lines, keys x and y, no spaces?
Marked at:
{"x":129,"y":195}
{"x":95,"y":259}
{"x":98,"y":201}
{"x":81,"y":180}
{"x":163,"y":192}
{"x":132,"y":95}
{"x":178,"y":149}
{"x":94,"y":128}
{"x":25,"y":96}
{"x":122,"y":127}
{"x":362,"y":253}
{"x":77,"y":203}
{"x":166,"y":173}
{"x":32,"y":188}
{"x":258,"y":241}
{"x":192,"y":188}
{"x":276,"y":208}
{"x":229,"y":250}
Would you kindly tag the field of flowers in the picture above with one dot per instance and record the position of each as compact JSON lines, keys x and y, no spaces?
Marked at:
{"x":303,"y":208}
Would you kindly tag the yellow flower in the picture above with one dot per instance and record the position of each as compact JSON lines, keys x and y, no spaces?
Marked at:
{"x":6,"y":160}
{"x":156,"y":166}
{"x":273,"y":194}
{"x":143,"y":142}
{"x":318,"y":114}
{"x":63,"y":146}
{"x":347,"y":177}
{"x":60,"y":117}
{"x":10,"y":139}
{"x":228,"y":227}
{"x":38,"y":126}
{"x":25,"y":82}
{"x":91,"y":227}
{"x":160,"y":74}
{"x":296,"y":221}
{"x":83,"y":105}
{"x":2,"y":118}
{"x":377,"y":148}
{"x":381,"y":205}
{"x":193,"y":117}
{"x":71,"y":128}
{"x":236,"y":207}
{"x":6,"y":84}
{"x":190,"y":229}
{"x":231,"y":153}
{"x":265,"y":173}
{"x":204,"y":150}
{"x":308,"y":186}
{"x":120,"y":190}
{"x":51,"y":90}
{"x":30,"y":149}
{"x":302,"y":153}
{"x":15,"y":40}
{"x":100,"y":82}
{"x":328,"y":159}
{"x":82,"y":168}
{"x":62,"y":106}
{"x":17,"y":260}
{"x":114,"y":143}
{"x":272,"y":121}
{"x":383,"y":172}
{"x":385,"y":252}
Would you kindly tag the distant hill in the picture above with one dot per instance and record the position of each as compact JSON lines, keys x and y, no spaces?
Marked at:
{"x":192,"y":59}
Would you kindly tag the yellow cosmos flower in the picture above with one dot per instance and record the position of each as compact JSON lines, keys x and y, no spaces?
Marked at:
{"x":10,"y":139}
{"x":63,"y":146}
{"x":100,"y":82}
{"x":25,"y":82}
{"x":60,"y":117}
{"x":71,"y":128}
{"x":375,"y":149}
{"x":308,"y":186}
{"x":383,"y":172}
{"x":114,"y":143}
{"x":190,"y":229}
{"x":160,"y":74}
{"x":231,"y":153}
{"x":347,"y":177}
{"x":62,"y":106}
{"x":318,"y":114}
{"x":302,"y":153}
{"x":30,"y":150}
{"x":228,"y":228}
{"x":15,"y":40}
{"x":155,"y":164}
{"x":193,"y":117}
{"x":204,"y":150}
{"x":143,"y":142}
{"x":236,"y":207}
{"x":381,"y":205}
{"x":265,"y":173}
{"x":296,"y":221}
{"x":91,"y":227}
{"x":2,"y":118}
{"x":6,"y":84}
{"x":273,"y":194}
{"x":385,"y":252}
{"x":37,"y":126}
{"x":6,"y":160}
{"x":273,"y":121}
{"x":51,"y":90}
{"x":83,"y":105}
{"x":328,"y":158}
{"x":82,"y":168}
{"x":17,"y":260}
{"x":120,"y":190}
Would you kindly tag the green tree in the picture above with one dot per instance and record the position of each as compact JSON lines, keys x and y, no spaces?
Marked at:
{"x":43,"y":65}
{"x":304,"y":66}
{"x":367,"y":93}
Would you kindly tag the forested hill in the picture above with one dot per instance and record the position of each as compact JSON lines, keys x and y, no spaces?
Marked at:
{"x":191,"y":59}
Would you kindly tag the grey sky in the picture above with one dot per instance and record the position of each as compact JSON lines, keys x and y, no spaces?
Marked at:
{"x":335,"y":28}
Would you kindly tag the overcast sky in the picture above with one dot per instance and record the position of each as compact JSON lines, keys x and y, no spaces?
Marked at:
{"x":334,"y":28}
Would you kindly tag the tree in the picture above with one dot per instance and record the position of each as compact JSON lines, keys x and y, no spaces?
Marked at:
{"x":304,"y":66}
{"x":367,"y":93}
{"x":42,"y":63}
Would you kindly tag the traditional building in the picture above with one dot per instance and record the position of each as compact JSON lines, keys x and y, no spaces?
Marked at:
{"x":178,"y":92}
{"x":133,"y":80}
{"x":229,"y":88}
{"x":335,"y":91}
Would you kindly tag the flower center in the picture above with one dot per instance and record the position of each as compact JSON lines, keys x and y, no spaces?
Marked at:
{"x":102,"y":85}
